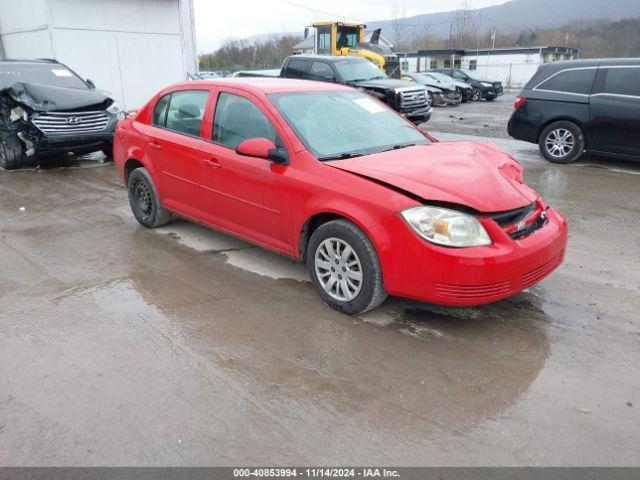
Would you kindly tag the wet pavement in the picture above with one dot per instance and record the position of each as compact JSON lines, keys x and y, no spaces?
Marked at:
{"x":183,"y":346}
{"x":475,"y":118}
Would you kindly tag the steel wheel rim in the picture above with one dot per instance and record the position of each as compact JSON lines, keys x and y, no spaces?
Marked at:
{"x":142,"y":196}
{"x":338,"y":269}
{"x":559,"y":142}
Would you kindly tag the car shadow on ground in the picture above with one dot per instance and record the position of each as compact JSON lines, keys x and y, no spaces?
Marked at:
{"x":70,"y":160}
{"x":609,"y":163}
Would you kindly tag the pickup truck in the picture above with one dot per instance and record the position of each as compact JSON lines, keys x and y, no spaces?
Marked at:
{"x":410,"y":100}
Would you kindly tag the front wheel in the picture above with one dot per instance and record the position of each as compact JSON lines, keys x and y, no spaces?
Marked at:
{"x":108,"y":153}
{"x":11,"y":153}
{"x":562,"y":142}
{"x":344,"y":267}
{"x":144,"y":200}
{"x":476,"y":96}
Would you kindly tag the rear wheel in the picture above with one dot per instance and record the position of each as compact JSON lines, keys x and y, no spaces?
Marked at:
{"x":144,"y":200}
{"x":11,"y":153}
{"x":344,"y":267}
{"x":562,"y":142}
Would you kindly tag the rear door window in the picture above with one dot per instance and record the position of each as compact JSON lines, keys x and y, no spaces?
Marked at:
{"x":623,"y":81}
{"x":322,"y":72}
{"x":186,"y":110}
{"x":296,"y":69}
{"x":570,"y":81}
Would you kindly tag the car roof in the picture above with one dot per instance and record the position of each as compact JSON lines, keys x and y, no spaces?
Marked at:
{"x":595,"y":62}
{"x":328,"y":58}
{"x":16,"y":61}
{"x":269,"y":85}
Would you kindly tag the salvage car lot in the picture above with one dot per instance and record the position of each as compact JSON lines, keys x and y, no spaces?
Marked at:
{"x":127,"y":346}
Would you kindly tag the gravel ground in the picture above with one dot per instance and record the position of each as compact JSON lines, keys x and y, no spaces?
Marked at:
{"x":486,"y":119}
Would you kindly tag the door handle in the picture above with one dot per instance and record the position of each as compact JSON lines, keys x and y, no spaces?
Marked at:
{"x":155,"y":145}
{"x":212,"y":163}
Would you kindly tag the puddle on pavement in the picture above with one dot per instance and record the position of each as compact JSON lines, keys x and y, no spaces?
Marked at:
{"x":414,"y":366}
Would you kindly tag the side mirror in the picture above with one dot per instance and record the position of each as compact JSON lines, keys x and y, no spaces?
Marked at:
{"x":90,"y":83}
{"x":263,"y":148}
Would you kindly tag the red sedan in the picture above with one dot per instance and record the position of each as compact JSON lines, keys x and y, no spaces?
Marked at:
{"x":328,"y":175}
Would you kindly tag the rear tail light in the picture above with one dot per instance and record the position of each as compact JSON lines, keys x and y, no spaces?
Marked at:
{"x":519,"y":102}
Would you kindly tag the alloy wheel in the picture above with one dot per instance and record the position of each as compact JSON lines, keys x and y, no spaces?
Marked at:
{"x":559,"y":142}
{"x":338,"y":269}
{"x":142,"y":195}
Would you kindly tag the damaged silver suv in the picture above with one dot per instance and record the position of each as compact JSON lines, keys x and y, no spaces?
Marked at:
{"x":47,"y":109}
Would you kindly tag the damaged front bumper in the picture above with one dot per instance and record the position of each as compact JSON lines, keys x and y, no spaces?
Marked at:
{"x":47,"y":137}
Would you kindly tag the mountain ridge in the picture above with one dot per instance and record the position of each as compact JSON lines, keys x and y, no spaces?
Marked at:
{"x":508,"y":17}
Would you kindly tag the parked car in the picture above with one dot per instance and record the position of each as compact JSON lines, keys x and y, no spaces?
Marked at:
{"x":205,"y":75}
{"x":463,"y":88}
{"x":46,"y":108}
{"x":257,"y":73}
{"x":448,"y":95}
{"x":569,"y":108}
{"x":329,"y":175}
{"x":482,"y":89}
{"x":411,"y":101}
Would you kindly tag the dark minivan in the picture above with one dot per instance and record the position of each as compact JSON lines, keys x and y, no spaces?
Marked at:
{"x":568,"y":108}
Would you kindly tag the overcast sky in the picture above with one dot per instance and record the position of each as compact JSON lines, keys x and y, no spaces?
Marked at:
{"x":217,"y":20}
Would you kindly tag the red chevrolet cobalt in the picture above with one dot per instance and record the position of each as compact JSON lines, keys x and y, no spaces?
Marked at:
{"x":326,"y":174}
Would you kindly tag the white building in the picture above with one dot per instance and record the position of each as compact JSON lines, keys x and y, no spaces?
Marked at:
{"x":131,"y":48}
{"x":512,"y":66}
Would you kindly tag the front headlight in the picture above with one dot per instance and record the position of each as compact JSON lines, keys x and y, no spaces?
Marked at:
{"x":114,"y":108}
{"x":446,"y":227}
{"x":487,"y":84}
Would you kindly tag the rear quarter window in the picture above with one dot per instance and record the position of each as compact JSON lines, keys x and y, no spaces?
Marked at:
{"x":570,"y":81}
{"x":160,"y":111}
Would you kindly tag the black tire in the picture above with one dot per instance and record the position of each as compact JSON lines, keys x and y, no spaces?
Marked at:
{"x":144,"y":201}
{"x":11,"y":153}
{"x":371,"y":289}
{"x":108,"y":152}
{"x":476,"y":96}
{"x":557,"y":151}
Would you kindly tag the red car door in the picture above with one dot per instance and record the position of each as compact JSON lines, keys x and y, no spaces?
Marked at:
{"x":174,"y":144}
{"x":248,"y":196}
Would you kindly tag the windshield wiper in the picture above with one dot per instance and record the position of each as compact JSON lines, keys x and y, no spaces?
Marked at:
{"x":340,"y":156}
{"x":399,"y":146}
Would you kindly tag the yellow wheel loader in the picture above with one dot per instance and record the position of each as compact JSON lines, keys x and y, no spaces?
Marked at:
{"x":344,"y":38}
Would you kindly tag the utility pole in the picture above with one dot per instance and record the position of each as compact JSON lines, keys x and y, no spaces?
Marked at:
{"x":494,"y":32}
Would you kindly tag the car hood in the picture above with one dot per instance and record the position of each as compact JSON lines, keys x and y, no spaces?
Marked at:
{"x":387,"y":83}
{"x":461,"y":84}
{"x":47,"y":98}
{"x":475,"y":174}
{"x":440,"y":85}
{"x":432,"y":89}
